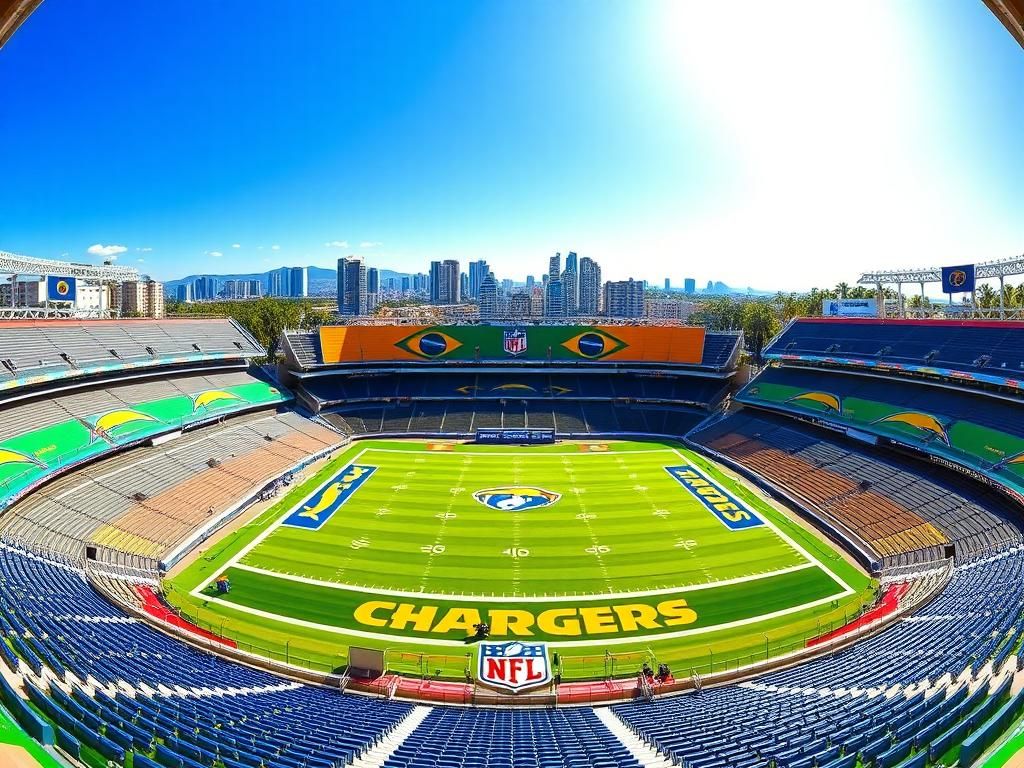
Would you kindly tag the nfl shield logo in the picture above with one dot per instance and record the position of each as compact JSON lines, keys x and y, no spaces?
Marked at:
{"x":514,"y":666}
{"x":515,"y":341}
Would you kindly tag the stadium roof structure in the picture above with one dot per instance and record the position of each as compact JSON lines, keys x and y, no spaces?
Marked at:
{"x":999,"y":269}
{"x":12,"y":14}
{"x":1011,"y":14}
{"x":15,"y":264}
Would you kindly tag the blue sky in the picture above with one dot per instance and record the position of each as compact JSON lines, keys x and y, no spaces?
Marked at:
{"x":774,"y":145}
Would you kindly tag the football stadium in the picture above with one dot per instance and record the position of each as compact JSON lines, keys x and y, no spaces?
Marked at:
{"x":426,"y":534}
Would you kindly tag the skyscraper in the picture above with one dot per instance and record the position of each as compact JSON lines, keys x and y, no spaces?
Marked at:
{"x":554,"y":303}
{"x":570,"y":286}
{"x":477,"y":272}
{"x":624,"y":298}
{"x":668,"y":284}
{"x":488,"y":297}
{"x":351,"y":286}
{"x":590,"y":287}
{"x":445,"y":282}
{"x":463,"y":285}
{"x":372,"y":280}
{"x":689,"y":285}
{"x":298,"y":282}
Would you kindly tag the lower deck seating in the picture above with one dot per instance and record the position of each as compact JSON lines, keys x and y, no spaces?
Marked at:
{"x":903,"y":509}
{"x":147,"y":500}
{"x":463,"y":418}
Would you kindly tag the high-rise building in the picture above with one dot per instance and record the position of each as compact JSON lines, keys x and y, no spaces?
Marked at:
{"x":668,"y":284}
{"x":477,"y":272}
{"x":280,"y":281}
{"x":519,"y":306}
{"x":590,"y":287}
{"x":554,"y":305}
{"x":352,"y":286}
{"x":183,"y":292}
{"x":298,"y":282}
{"x":555,"y":266}
{"x":529,"y":281}
{"x":445,"y":282}
{"x":255,"y":288}
{"x":372,"y":280}
{"x":204,"y":288}
{"x":463,"y":285}
{"x":689,"y":285}
{"x":142,"y":298}
{"x":536,"y":301}
{"x":489,"y":297}
{"x":406,"y":283}
{"x":624,"y":298}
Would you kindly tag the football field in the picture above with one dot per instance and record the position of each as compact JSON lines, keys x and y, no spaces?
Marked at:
{"x":595,"y":548}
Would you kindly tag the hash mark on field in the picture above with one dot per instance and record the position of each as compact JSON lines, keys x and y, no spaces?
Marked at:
{"x":438,"y":548}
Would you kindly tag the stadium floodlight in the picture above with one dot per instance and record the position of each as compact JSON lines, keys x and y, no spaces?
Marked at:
{"x":998,"y":269}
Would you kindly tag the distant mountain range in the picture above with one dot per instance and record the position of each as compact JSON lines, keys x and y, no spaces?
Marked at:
{"x":321,"y":279}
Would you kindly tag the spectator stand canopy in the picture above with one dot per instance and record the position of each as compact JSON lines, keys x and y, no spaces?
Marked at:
{"x":986,"y":270}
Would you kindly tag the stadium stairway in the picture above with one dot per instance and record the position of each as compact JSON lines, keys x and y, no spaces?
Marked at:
{"x":377,"y":755}
{"x":643,"y":752}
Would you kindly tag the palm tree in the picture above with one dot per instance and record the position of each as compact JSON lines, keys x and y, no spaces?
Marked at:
{"x":842,"y":289}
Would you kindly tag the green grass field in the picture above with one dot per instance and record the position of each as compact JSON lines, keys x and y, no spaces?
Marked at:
{"x":639,"y":549}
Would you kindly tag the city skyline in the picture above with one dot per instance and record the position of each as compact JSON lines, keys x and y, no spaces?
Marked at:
{"x":427,"y":135}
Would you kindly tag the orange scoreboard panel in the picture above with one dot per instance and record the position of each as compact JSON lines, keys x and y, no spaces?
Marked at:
{"x":683,"y":345}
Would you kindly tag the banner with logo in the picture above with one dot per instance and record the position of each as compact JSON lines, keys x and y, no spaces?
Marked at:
{"x":958,"y":279}
{"x":849,"y":308}
{"x":61,"y":288}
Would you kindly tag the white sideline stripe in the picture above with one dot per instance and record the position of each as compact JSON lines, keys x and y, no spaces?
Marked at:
{"x":451,"y":454}
{"x":778,"y":532}
{"x":269,"y":530}
{"x":847,"y":590}
{"x":559,"y":643}
{"x":518,"y":598}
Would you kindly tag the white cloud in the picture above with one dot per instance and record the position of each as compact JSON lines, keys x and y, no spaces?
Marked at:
{"x":336,"y":244}
{"x":143,"y":250}
{"x":214,"y":254}
{"x":275,"y":247}
{"x":141,"y":261}
{"x":370,"y":243}
{"x":236,"y":245}
{"x":106,"y":251}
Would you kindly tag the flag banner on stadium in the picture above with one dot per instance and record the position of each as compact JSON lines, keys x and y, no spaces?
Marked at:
{"x":61,"y":288}
{"x":424,"y":343}
{"x":958,"y":279}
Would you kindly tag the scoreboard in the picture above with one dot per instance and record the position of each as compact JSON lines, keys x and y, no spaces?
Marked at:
{"x":497,"y":436}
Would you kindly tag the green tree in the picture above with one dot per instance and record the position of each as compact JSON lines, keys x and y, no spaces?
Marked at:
{"x":760,"y":325}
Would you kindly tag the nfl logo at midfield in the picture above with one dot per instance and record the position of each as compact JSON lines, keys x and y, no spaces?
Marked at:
{"x":514,"y":666}
{"x":515,"y":341}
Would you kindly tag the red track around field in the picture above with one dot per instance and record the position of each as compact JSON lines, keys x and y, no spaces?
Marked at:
{"x":887,"y":605}
{"x":156,"y":608}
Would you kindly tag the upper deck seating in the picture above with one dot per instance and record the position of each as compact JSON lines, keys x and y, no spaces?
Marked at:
{"x":969,"y":427}
{"x":35,"y":351}
{"x":976,"y":347}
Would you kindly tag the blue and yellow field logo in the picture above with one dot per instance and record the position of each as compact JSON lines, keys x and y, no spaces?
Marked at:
{"x":319,"y":507}
{"x":516,"y":498}
{"x":730,"y":511}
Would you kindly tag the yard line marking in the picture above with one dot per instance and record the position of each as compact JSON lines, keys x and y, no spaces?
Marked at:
{"x":554,"y":643}
{"x":234,"y":561}
{"x":450,"y":454}
{"x":197,"y":592}
{"x":778,"y":532}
